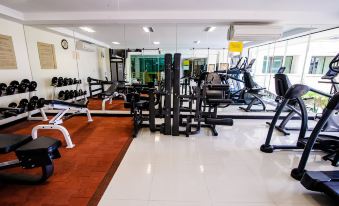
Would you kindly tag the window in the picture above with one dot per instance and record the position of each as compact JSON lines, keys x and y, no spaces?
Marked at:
{"x":277,"y":62}
{"x":319,"y":64}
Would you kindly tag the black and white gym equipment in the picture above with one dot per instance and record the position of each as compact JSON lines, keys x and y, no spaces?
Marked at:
{"x":74,"y":108}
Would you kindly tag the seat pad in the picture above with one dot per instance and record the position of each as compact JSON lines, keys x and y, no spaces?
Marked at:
{"x":10,"y":142}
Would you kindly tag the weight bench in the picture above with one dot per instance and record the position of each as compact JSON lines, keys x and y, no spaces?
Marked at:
{"x":57,"y":120}
{"x":110,"y":94}
{"x":31,"y":153}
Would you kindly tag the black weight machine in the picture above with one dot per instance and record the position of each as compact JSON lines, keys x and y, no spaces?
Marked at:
{"x":171,"y":109}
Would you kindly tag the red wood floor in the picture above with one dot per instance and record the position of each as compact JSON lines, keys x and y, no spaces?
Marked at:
{"x":82,"y":174}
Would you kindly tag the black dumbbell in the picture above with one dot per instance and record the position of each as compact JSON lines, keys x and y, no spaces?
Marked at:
{"x":12,"y":105}
{"x":31,"y":105}
{"x":81,"y":92}
{"x":22,"y":88}
{"x":41,"y":103}
{"x":66,"y":97}
{"x":60,"y":81}
{"x":85,"y":92}
{"x":3,"y":87}
{"x":61,"y":95}
{"x":32,"y":86}
{"x":71,"y":94}
{"x":54,"y":81}
{"x":23,"y":103}
{"x":10,"y":90}
{"x":66,"y":82}
{"x":14,"y":84}
{"x":70,"y":81}
{"x":25,"y":81}
{"x":76,"y":93}
{"x":75,"y":81}
{"x":34,"y":99}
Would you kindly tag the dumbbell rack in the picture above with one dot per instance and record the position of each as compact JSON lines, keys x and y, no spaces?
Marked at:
{"x":28,"y":114}
{"x":55,"y":90}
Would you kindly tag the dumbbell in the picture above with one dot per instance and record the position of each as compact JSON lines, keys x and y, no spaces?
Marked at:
{"x":81,"y":92}
{"x":23,"y":103}
{"x":54,"y":81}
{"x":13,"y":105}
{"x":75,"y":81}
{"x":60,"y":82}
{"x":70,"y":81}
{"x":66,"y":82}
{"x":3,"y":87}
{"x":76,"y":93}
{"x":71,"y":94}
{"x":41,"y":103}
{"x":14,"y":84}
{"x":66,"y":95}
{"x":32,"y":86}
{"x":32,"y":104}
{"x":61,"y":95}
{"x":26,"y":82}
{"x":10,"y":90}
{"x":22,"y":88}
{"x":85,"y":92}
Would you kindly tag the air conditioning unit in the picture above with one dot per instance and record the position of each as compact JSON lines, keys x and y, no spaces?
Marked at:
{"x":83,"y":46}
{"x":254,"y":33}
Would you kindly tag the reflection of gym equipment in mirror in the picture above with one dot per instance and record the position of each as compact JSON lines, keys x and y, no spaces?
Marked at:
{"x":117,"y":64}
{"x":115,"y":90}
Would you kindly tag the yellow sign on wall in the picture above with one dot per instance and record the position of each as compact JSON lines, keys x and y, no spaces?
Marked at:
{"x":235,"y":46}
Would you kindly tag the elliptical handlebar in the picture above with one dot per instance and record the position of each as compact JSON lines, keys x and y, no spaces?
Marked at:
{"x":334,"y":64}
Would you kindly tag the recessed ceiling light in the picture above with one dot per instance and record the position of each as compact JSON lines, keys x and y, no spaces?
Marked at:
{"x":85,"y":28}
{"x":156,"y":42}
{"x":115,"y":42}
{"x":197,"y":42}
{"x":147,"y":29}
{"x":210,"y":28}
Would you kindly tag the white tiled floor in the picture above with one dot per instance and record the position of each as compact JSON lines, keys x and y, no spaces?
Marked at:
{"x":203,"y":170}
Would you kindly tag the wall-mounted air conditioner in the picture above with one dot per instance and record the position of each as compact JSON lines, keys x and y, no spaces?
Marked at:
{"x":254,"y":33}
{"x":83,"y":46}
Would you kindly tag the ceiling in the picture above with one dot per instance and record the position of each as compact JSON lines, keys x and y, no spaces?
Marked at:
{"x":149,"y":5}
{"x":169,"y":35}
{"x":177,"y":24}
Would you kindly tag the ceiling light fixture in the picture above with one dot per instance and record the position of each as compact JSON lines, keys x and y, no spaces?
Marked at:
{"x":148,"y":29}
{"x":88,"y":29}
{"x":210,"y":28}
{"x":197,"y":42}
{"x":156,"y":42}
{"x":115,"y":42}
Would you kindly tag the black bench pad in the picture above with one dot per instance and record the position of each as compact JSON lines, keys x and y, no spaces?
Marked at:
{"x":39,"y":152}
{"x":10,"y":142}
{"x":77,"y":104}
{"x":39,"y":144}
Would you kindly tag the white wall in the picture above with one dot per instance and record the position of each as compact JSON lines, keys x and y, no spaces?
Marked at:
{"x":16,"y":31}
{"x":65,"y":59}
{"x":94,"y":64}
